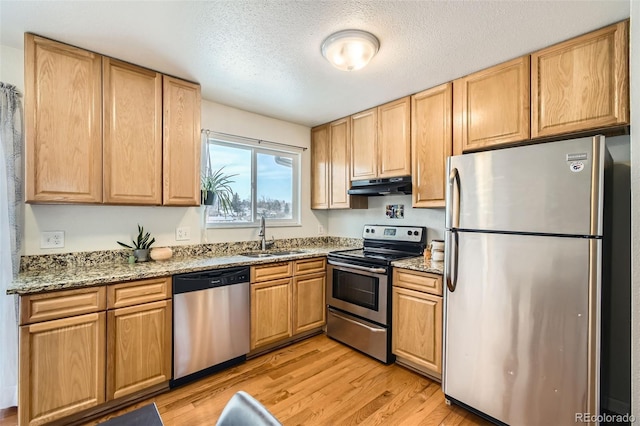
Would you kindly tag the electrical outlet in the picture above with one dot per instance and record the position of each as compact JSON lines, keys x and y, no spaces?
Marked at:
{"x":183,"y":234}
{"x":320,"y":229}
{"x":52,"y":239}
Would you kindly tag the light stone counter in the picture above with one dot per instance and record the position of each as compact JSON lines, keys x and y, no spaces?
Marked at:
{"x":419,"y":264}
{"x":48,"y":277}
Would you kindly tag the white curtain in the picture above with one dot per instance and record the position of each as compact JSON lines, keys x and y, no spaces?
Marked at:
{"x":11,"y":216}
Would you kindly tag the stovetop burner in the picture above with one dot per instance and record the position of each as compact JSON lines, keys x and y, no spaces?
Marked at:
{"x":384,"y":244}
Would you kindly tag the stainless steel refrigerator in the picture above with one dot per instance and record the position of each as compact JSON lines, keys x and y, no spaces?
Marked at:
{"x":523,"y":271}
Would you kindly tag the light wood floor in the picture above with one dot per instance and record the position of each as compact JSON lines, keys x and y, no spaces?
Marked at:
{"x":314,"y":382}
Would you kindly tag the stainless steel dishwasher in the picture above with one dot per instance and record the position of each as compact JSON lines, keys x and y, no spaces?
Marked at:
{"x":211,"y":322}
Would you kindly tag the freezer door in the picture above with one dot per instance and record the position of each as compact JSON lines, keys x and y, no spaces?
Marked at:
{"x":521,"y":332}
{"x":553,"y":188}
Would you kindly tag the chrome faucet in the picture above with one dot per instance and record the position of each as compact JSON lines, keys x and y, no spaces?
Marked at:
{"x":263,"y":235}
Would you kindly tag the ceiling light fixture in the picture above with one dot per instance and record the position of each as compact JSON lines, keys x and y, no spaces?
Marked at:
{"x":350,"y":50}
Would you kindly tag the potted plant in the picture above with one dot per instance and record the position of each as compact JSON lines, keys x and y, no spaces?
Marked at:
{"x":215,"y":186}
{"x":140,"y":245}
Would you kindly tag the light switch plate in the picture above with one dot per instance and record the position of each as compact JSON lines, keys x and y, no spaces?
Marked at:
{"x":52,"y":239}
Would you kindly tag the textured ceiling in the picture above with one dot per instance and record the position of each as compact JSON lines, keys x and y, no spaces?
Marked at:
{"x":264,"y":56}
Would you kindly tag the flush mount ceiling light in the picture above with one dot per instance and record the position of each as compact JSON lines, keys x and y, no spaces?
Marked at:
{"x":350,"y":50}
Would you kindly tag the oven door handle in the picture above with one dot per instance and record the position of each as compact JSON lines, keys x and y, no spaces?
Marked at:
{"x":359,"y":324}
{"x":358,"y":267}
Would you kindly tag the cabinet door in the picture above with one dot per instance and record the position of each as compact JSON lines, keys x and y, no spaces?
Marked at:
{"x":417,"y":328}
{"x":394,"y":141}
{"x":320,"y":167}
{"x":364,"y":145}
{"x":132,"y":134}
{"x":270,"y":312}
{"x":339,"y":164}
{"x":493,"y":105}
{"x":309,"y":302}
{"x":431,"y":144}
{"x":181,"y":142}
{"x":63,"y":122}
{"x":62,"y":367}
{"x":138,"y":348}
{"x":582,"y":83}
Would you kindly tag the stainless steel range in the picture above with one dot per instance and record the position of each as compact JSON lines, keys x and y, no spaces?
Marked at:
{"x":359,"y":287}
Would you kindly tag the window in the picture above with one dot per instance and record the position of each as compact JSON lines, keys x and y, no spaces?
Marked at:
{"x":264,"y":181}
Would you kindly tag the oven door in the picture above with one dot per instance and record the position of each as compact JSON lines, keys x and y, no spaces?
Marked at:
{"x":359,"y":290}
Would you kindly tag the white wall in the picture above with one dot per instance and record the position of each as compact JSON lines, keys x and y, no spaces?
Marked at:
{"x":89,"y":228}
{"x":349,"y":223}
{"x":11,"y":66}
{"x":635,"y":206}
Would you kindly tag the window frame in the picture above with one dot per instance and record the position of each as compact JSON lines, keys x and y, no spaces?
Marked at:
{"x":258,"y":148}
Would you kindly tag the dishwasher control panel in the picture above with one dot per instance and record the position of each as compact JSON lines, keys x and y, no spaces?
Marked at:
{"x":194,"y":281}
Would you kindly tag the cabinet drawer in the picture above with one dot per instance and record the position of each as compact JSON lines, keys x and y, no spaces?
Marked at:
{"x":310,"y":266}
{"x":61,"y":304}
{"x":271,"y":271}
{"x":419,"y":281}
{"x":137,"y":292}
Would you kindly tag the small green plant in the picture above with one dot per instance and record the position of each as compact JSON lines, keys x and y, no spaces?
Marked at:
{"x":142,"y":242}
{"x":217,"y":184}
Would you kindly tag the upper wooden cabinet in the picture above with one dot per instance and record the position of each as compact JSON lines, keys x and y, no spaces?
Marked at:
{"x":63,"y":122}
{"x":320,"y":167}
{"x":582,"y":83}
{"x":132,"y":134}
{"x":431,"y":144}
{"x":330,"y":167}
{"x":181,"y":142}
{"x":380,"y":141}
{"x":364,"y":145}
{"x":94,"y":130}
{"x":394,"y":141}
{"x":339,"y":164}
{"x":491,"y":107}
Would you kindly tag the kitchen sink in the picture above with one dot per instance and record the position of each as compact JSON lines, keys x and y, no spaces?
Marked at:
{"x":257,"y":255}
{"x":272,"y":254}
{"x":287,"y":252}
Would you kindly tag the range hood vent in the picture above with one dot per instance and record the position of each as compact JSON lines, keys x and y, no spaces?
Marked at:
{"x":386,"y":186}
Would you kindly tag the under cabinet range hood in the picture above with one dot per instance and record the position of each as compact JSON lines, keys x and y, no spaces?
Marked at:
{"x":386,"y":186}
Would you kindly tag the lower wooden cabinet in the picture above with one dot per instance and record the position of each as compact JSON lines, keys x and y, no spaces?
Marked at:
{"x":138,"y":336}
{"x":417,"y":321}
{"x":81,"y":348}
{"x":309,"y":301}
{"x":62,"y":365}
{"x":289,"y":305}
{"x":270,"y":312}
{"x":139,"y":348}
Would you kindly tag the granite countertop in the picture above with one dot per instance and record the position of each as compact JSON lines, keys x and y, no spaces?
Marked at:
{"x":50,"y":279}
{"x":419,"y":264}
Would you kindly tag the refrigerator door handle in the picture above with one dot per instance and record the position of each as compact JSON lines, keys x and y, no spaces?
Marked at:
{"x":453,"y":200}
{"x":451,"y":266}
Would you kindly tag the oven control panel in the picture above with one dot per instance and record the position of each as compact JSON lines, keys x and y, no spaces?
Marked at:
{"x":414,"y":234}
